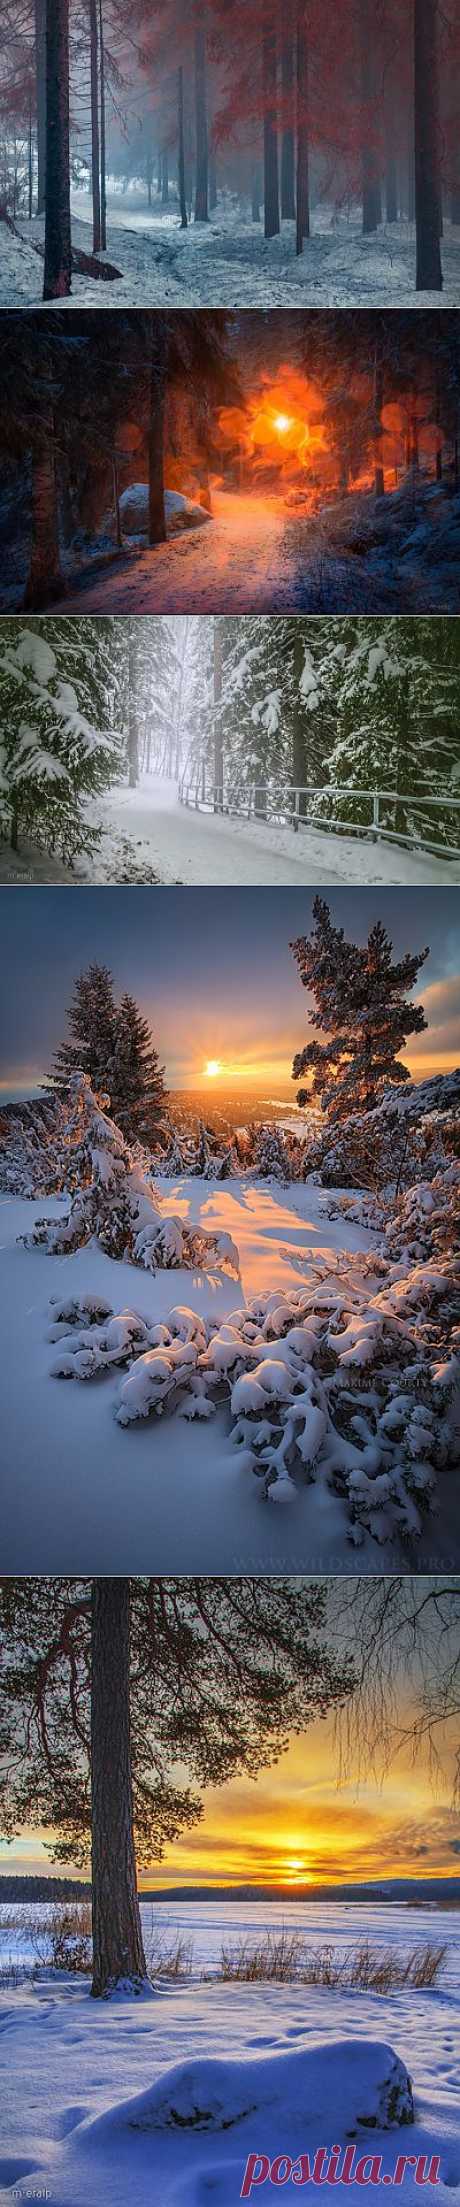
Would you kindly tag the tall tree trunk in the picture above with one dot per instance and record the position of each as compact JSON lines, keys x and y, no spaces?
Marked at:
{"x":287,"y":87}
{"x":30,"y":162}
{"x":180,"y":127}
{"x":165,"y":177}
{"x":95,"y":147}
{"x":255,"y":195}
{"x":218,"y":743}
{"x":40,"y":78}
{"x":212,"y":179}
{"x":157,"y":521}
{"x":427,"y":164}
{"x":14,"y":830}
{"x":270,"y":86}
{"x":302,"y":175}
{"x":58,"y":252}
{"x":103,"y":132}
{"x":45,"y":580}
{"x":299,"y":764}
{"x":201,"y":122}
{"x":379,"y":476}
{"x":118,"y":1950}
{"x":371,"y":188}
{"x":133,"y":723}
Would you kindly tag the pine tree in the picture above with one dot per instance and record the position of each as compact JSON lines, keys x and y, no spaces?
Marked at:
{"x":92,"y":1018}
{"x":59,"y":699}
{"x":113,"y":1045}
{"x":360,"y":1005}
{"x":177,"y":1646}
{"x":135,"y":1077}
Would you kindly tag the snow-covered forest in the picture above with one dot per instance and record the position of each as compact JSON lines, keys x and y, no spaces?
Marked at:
{"x":176,"y":748}
{"x":224,"y":154}
{"x":195,"y":463}
{"x":311,"y":1344}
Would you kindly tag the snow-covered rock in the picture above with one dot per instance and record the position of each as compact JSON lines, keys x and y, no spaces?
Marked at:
{"x":180,"y":512}
{"x":368,"y":2087}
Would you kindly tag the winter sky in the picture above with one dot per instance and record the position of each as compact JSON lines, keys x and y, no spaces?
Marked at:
{"x":294,"y":1825}
{"x":212,"y":972}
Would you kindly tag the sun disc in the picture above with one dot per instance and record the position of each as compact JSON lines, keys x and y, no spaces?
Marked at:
{"x":212,"y":1068}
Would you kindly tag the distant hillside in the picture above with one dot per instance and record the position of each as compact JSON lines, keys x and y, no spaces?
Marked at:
{"x":416,"y":1892}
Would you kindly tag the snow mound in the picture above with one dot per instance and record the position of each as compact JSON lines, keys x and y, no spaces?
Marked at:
{"x":180,"y":512}
{"x":367,"y":2085}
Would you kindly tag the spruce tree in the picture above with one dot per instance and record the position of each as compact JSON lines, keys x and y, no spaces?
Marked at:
{"x":136,"y":1078}
{"x":361,"y":1006}
{"x":92,"y":1018}
{"x":59,"y":708}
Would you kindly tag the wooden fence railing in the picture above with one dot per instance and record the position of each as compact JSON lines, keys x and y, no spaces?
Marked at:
{"x":291,"y":807}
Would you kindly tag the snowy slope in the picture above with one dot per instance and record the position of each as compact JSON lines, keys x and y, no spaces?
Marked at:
{"x":75,"y":2065}
{"x":82,"y":1493}
{"x":229,"y":263}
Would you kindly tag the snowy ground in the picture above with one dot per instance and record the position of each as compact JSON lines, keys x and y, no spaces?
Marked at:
{"x":229,"y":263}
{"x":149,"y":836}
{"x":257,"y":556}
{"x":82,"y":1493}
{"x":73,"y":2066}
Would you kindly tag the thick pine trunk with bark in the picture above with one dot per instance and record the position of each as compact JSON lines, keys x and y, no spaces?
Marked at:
{"x":95,"y":146}
{"x":427,"y":160}
{"x":157,"y":520}
{"x":40,"y":79}
{"x":45,"y":579}
{"x":287,"y":87}
{"x":201,"y":123}
{"x":302,"y":175}
{"x":270,"y":88}
{"x":118,"y":1950}
{"x":379,"y":476}
{"x":58,"y":251}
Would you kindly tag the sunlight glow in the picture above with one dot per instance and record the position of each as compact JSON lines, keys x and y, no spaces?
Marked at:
{"x":212,"y":1068}
{"x":282,"y":423}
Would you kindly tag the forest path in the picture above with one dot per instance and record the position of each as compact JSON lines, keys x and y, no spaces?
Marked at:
{"x":149,"y":835}
{"x":255,"y":557}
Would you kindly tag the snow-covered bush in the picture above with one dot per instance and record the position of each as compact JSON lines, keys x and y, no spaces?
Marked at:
{"x":116,"y":1202}
{"x":349,"y":1381}
{"x":271,"y":1155}
{"x":36,"y":1156}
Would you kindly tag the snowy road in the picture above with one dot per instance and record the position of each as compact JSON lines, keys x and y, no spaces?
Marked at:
{"x":258,"y":557}
{"x":148,"y":832}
